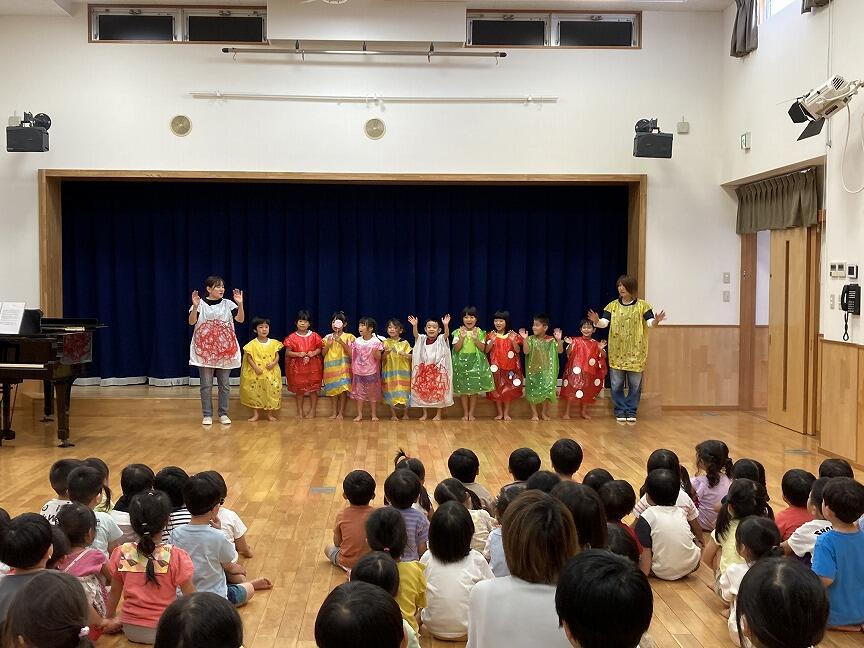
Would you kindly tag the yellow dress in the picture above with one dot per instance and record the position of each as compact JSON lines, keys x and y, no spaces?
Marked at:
{"x":264,"y":391}
{"x":337,"y":367}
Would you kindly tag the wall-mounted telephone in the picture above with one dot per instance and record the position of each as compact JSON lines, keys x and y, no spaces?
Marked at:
{"x":850,"y":301}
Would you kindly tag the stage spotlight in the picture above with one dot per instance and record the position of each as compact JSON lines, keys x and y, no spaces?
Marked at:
{"x":819,"y":104}
{"x":30,"y":135}
{"x":650,"y":142}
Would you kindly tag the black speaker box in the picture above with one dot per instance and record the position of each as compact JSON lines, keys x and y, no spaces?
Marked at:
{"x":26,"y":139}
{"x":652,"y":145}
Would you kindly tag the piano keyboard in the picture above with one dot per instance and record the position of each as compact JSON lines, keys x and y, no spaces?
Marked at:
{"x":21,"y":365}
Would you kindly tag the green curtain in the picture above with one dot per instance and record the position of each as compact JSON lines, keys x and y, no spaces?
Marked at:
{"x":807,"y":5}
{"x":745,"y":31}
{"x":786,"y":201}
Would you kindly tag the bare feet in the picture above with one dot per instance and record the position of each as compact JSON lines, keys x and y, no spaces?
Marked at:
{"x":374,"y":418}
{"x":565,"y":416}
{"x":437,"y":417}
{"x":261,"y":584}
{"x":535,"y":418}
{"x":507,"y":417}
{"x":253,"y":418}
{"x":301,"y":416}
{"x":338,"y":417}
{"x":585,"y":416}
{"x":246,"y":554}
{"x":311,"y":414}
{"x":358,"y":418}
{"x":406,"y":417}
{"x":466,"y":418}
{"x":333,"y":416}
{"x":270,"y":417}
{"x":424,"y":417}
{"x":500,"y":417}
{"x":471,"y":417}
{"x":546,"y":417}
{"x":394,"y":418}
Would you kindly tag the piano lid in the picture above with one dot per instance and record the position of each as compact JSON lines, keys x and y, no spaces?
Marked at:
{"x":67,"y":324}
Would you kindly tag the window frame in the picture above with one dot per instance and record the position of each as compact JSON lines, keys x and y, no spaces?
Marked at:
{"x":635,"y":18}
{"x":497,"y":15}
{"x":237,"y":12}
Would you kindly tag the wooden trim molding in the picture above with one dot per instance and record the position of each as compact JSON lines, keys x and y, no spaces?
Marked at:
{"x":746,"y":348}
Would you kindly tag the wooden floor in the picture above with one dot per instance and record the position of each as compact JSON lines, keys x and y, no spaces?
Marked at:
{"x":284,"y":480}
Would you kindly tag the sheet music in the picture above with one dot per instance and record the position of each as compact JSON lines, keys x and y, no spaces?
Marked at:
{"x":11,"y":314}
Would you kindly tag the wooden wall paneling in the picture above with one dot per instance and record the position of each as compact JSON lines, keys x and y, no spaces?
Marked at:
{"x":747,"y":320}
{"x":760,"y":368}
{"x":811,"y":332}
{"x":841,"y":398}
{"x":636,"y":229}
{"x":50,"y":246}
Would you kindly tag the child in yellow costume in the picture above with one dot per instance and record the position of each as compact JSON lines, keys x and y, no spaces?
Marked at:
{"x":260,"y":375}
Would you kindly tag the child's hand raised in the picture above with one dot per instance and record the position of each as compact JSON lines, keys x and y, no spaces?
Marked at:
{"x":238,"y":296}
{"x":446,"y":319}
{"x":412,"y":320}
{"x":196,"y":298}
{"x":523,"y":333}
{"x":568,"y":340}
{"x":593,"y":316}
{"x":557,"y":334}
{"x":603,"y":344}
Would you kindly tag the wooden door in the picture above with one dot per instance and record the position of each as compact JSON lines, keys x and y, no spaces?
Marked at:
{"x":792,"y":328}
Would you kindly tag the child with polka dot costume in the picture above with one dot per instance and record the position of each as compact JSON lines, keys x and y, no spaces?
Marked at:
{"x":504,"y":347}
{"x":586,"y":370}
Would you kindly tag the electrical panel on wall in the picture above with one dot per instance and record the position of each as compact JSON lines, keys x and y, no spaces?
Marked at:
{"x":837,"y":269}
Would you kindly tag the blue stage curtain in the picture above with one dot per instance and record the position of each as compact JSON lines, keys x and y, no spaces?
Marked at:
{"x":134,"y":251}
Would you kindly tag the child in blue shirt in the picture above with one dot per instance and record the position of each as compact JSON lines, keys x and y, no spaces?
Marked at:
{"x":838,"y":557}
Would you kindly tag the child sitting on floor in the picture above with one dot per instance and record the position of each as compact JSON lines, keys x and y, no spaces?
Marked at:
{"x":25,"y":546}
{"x":402,"y":488}
{"x":171,"y":480}
{"x":378,"y":568}
{"x":85,"y":487}
{"x":228,"y":521}
{"x":523,"y":463}
{"x":359,"y":614}
{"x":618,"y":499}
{"x":452,"y":490}
{"x":59,"y":478}
{"x":803,"y":540}
{"x":464,"y":465}
{"x":796,"y":487}
{"x":134,"y":479}
{"x":566,"y":456}
{"x":349,"y":532}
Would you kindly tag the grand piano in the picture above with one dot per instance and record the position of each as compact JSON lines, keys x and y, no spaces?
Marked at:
{"x":55,"y":351}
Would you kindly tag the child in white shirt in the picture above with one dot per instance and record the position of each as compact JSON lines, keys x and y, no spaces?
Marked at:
{"x":453,"y":490}
{"x":59,"y":478}
{"x":229,"y":522}
{"x":803,"y":540}
{"x":85,"y":487}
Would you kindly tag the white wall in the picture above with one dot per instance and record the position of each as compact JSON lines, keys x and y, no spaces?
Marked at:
{"x":111,"y":105}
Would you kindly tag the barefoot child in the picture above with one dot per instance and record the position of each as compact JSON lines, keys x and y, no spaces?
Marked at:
{"x":260,"y":377}
{"x":432,"y":370}
{"x":337,"y":364}
{"x":585,"y":371}
{"x":366,"y":353}
{"x":396,"y":369}
{"x":504,"y":346}
{"x":304,"y":366}
{"x":471,"y":374}
{"x":541,"y":365}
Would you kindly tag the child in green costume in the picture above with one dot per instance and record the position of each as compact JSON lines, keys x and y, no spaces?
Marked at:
{"x":471,"y":373}
{"x":541,"y":365}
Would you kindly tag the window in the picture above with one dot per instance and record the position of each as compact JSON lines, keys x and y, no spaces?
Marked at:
{"x":132,"y":24}
{"x":225,"y":26}
{"x":565,"y":29}
{"x":178,"y":24}
{"x":593,"y":30}
{"x":508,"y":29}
{"x":774,"y":7}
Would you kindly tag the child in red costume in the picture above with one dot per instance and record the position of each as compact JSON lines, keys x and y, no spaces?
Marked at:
{"x":504,"y":364}
{"x":586,"y":370}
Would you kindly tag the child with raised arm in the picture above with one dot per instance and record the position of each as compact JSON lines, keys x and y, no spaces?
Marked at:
{"x":471,"y":373}
{"x":432,"y":368}
{"x":396,"y":370}
{"x":504,"y":346}
{"x":304,"y":366}
{"x":585,"y":371}
{"x":337,"y":364}
{"x":366,"y":353}
{"x":541,"y":365}
{"x":260,"y":377}
{"x":214,"y":348}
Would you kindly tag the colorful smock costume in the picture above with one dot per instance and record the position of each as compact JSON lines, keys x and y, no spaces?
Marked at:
{"x":214,"y":343}
{"x":505,"y":367}
{"x":585,"y":372}
{"x":304,"y":375}
{"x":264,"y":391}
{"x":471,"y":374}
{"x":628,"y":333}
{"x":396,"y":372}
{"x":337,"y":366}
{"x":366,"y":369}
{"x":541,"y":369}
{"x":431,"y":373}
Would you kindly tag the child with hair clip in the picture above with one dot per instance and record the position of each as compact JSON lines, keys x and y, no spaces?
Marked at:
{"x":366,"y":353}
{"x":349,"y":531}
{"x":379,"y":568}
{"x":134,"y":479}
{"x":431,"y":367}
{"x":200,"y":620}
{"x":712,"y":480}
{"x":452,"y":569}
{"x":147,"y":573}
{"x":58,"y":475}
{"x":403,"y":462}
{"x":541,"y":365}
{"x":396,"y":370}
{"x":585,"y":372}
{"x":227,"y":520}
{"x":401,"y":490}
{"x":260,"y":377}
{"x":85,"y":487}
{"x":304,"y":364}
{"x":385,"y":531}
{"x":471,"y":373}
{"x":803,"y":540}
{"x":503,"y":345}
{"x":337,"y":364}
{"x":453,"y":490}
{"x":755,"y":538}
{"x":105,"y":505}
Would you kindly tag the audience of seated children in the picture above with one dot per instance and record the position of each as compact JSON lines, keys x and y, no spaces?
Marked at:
{"x":452,"y":490}
{"x":359,"y":615}
{"x":60,"y":547}
{"x":781,"y":604}
{"x":796,"y":486}
{"x":106,"y":503}
{"x":618,"y":499}
{"x":756,"y":538}
{"x":494,"y":549}
{"x":566,"y":457}
{"x":402,"y":488}
{"x":134,"y":479}
{"x":604,"y":601}
{"x":803,"y":539}
{"x":25,"y":546}
{"x":171,"y":480}
{"x":620,"y":542}
{"x":385,"y":531}
{"x":712,"y":480}
{"x":464,"y":465}
{"x":403,"y":462}
{"x":147,"y":573}
{"x":349,"y":532}
{"x":85,"y":487}
{"x":596,"y":477}
{"x":59,"y":478}
{"x":663,"y":530}
{"x":228,"y":521}
{"x":200,"y":620}
{"x":836,"y":467}
{"x":452,"y":569}
{"x":519,"y":610}
{"x":523,"y":463}
{"x":543,"y":480}
{"x":838,"y":558}
{"x":378,"y":568}
{"x":587,"y":510}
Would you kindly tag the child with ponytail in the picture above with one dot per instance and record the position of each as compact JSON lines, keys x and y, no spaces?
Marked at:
{"x":147,"y":573}
{"x":712,"y":480}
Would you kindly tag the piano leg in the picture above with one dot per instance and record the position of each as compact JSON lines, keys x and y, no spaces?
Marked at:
{"x":6,"y":434}
{"x":63,"y":390}
{"x":48,"y":391}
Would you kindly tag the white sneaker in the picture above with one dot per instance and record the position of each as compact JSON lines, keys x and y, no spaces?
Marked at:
{"x":631,"y":419}
{"x":224,"y":420}
{"x":207,"y":420}
{"x":621,"y":419}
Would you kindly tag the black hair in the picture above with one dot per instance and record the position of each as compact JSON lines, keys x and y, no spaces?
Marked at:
{"x":200,"y":620}
{"x":620,"y":542}
{"x":148,"y":516}
{"x":24,"y":540}
{"x":596,"y":478}
{"x":470,"y":310}
{"x":377,"y":568}
{"x":585,"y":321}
{"x":566,"y":456}
{"x":745,"y":497}
{"x":604,"y":599}
{"x":385,"y":531}
{"x":368,"y":322}
{"x":662,"y":487}
{"x":505,"y":497}
{"x":816,"y":492}
{"x":586,"y":508}
{"x":258,"y":321}
{"x":102,"y":467}
{"x":85,"y":483}
{"x":170,"y":480}
{"x":713,"y":455}
{"x":748,"y":469}
{"x":761,"y":537}
{"x":436,"y":321}
{"x":403,"y":462}
{"x":543,"y":318}
{"x":134,"y":479}
{"x":340,"y":315}
{"x":395,"y":322}
{"x":796,"y":486}
{"x":60,"y":547}
{"x":4,"y":516}
{"x":200,"y":495}
{"x":464,"y":465}
{"x":359,"y":487}
{"x":450,"y":490}
{"x":504,"y":315}
{"x":304,"y":315}
{"x":359,"y":615}
{"x":845,"y":497}
{"x":450,"y":533}
{"x":523,"y":463}
{"x":59,"y":474}
{"x":668,"y":460}
{"x":836,"y":467}
{"x":542,"y":480}
{"x":77,"y":521}
{"x":618,"y":499}
{"x":50,"y":611}
{"x":402,"y":488}
{"x":213,"y":280}
{"x":217,"y":480}
{"x":784,"y":603}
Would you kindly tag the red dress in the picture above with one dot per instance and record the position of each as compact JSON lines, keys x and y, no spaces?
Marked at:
{"x":304,"y":375}
{"x":506,"y":370}
{"x":586,"y":370}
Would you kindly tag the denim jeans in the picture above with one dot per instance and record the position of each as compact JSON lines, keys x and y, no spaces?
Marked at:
{"x":625,"y":405}
{"x":222,"y":376}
